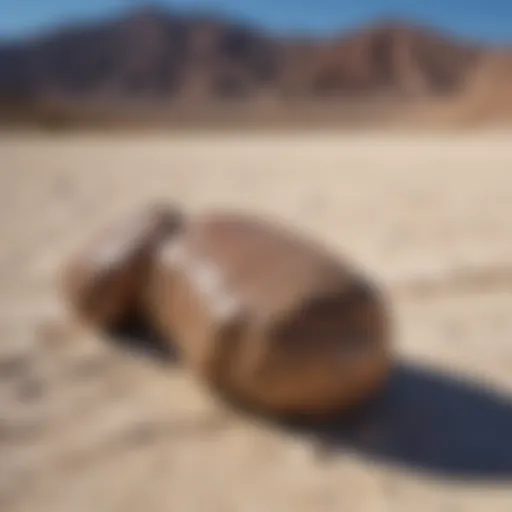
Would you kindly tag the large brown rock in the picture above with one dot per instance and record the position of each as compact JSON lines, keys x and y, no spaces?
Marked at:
{"x":256,"y":312}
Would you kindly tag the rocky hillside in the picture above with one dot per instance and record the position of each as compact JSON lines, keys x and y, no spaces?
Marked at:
{"x":155,"y":54}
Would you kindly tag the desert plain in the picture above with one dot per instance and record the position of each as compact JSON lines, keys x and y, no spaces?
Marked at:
{"x":85,"y":425}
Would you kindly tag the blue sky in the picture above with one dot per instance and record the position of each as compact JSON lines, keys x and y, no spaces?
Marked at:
{"x":487,"y":20}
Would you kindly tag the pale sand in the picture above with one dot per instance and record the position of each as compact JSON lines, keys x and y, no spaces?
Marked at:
{"x":87,"y":427}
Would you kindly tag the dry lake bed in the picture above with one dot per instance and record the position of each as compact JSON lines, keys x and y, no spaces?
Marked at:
{"x":85,"y":425}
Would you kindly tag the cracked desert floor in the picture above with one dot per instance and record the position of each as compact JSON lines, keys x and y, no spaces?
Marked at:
{"x":87,"y":426}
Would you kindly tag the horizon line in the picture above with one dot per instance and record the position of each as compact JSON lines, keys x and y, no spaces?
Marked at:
{"x":83,"y":22}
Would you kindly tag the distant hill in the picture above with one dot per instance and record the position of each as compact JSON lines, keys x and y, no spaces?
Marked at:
{"x":156,"y":56}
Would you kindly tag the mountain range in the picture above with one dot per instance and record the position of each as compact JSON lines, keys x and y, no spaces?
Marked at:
{"x":154,"y":55}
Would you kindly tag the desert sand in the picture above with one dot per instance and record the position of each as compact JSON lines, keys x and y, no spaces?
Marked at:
{"x":85,"y":425}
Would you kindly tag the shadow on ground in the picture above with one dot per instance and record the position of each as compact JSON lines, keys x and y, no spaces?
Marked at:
{"x":138,"y":337}
{"x":428,"y":421}
{"x":424,"y":419}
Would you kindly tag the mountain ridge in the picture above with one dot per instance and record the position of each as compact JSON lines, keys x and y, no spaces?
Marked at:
{"x":168,"y":57}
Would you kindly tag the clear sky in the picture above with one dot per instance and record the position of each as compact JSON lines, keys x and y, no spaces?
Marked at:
{"x":487,"y":20}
